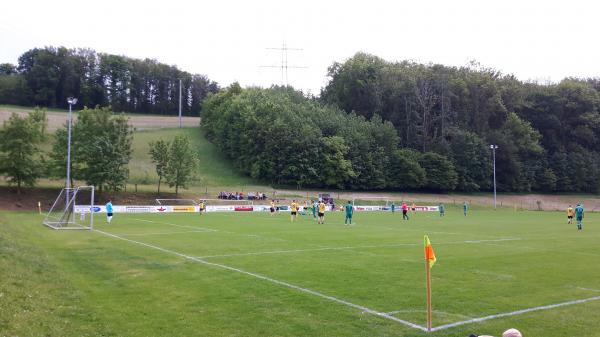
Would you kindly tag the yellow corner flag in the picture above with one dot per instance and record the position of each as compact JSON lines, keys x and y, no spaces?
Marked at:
{"x":429,"y":254}
{"x":429,"y":262}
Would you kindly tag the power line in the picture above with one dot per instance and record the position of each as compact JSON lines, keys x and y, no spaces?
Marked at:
{"x":284,"y":66}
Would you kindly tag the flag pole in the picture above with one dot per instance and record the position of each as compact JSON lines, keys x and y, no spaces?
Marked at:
{"x":428,"y":273}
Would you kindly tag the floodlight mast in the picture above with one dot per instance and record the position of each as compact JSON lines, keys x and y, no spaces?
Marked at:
{"x":72,"y":101}
{"x":180,"y":103}
{"x":494,"y":148}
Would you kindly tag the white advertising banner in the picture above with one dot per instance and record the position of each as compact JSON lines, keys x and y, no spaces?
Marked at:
{"x":225,"y":208}
{"x":427,"y":208}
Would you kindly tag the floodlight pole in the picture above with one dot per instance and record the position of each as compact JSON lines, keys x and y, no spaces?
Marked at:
{"x":494,"y":147}
{"x":71,"y":101}
{"x":180,"y":103}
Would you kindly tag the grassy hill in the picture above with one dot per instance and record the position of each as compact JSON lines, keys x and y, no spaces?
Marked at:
{"x":214,"y":170}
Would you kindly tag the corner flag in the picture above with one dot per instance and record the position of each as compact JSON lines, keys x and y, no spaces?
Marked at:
{"x":429,"y":262}
{"x":429,"y":254}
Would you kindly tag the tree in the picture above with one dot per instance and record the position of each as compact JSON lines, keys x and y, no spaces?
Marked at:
{"x":7,"y":69}
{"x":439,"y":171}
{"x":14,"y":90}
{"x":20,"y":158}
{"x":336,"y":169}
{"x":405,"y":171}
{"x":470,"y":156}
{"x":354,"y":85}
{"x":159,"y":152}
{"x":100,"y":149}
{"x":183,"y":163}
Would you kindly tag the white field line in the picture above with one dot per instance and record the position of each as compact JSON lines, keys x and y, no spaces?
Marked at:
{"x":425,"y":311}
{"x":496,"y":240}
{"x":213,"y":230}
{"x":306,"y":250}
{"x":497,"y":275}
{"x":514,"y":313}
{"x":163,"y":233}
{"x":268,"y":279}
{"x":589,"y":289}
{"x":346,"y":248}
{"x":421,"y":230}
{"x":176,"y":225}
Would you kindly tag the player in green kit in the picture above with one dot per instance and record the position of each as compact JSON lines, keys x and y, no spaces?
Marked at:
{"x":393,"y":207}
{"x":349,"y":210}
{"x":579,"y":216}
{"x":465,"y":208}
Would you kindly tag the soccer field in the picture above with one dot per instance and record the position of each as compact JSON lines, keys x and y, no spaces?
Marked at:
{"x":252,"y":274}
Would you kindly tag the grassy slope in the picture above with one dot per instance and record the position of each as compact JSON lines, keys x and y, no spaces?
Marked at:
{"x":214,"y":170}
{"x":126,"y":289}
{"x":36,"y":297}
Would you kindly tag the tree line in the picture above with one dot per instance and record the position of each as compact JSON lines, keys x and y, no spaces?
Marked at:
{"x":47,"y":76}
{"x":409,"y":126}
{"x":548,"y":135}
{"x":282,"y":137}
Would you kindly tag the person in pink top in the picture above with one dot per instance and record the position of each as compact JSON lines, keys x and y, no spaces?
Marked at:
{"x":404,"y":211}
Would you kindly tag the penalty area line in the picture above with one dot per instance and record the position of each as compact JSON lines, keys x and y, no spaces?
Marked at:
{"x":176,"y":225}
{"x":268,"y":279}
{"x":514,"y":313}
{"x":392,"y":245}
{"x":163,"y":233}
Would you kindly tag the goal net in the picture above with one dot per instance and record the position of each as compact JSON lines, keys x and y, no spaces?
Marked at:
{"x":373,"y":201}
{"x":176,"y":202}
{"x":73,"y":209}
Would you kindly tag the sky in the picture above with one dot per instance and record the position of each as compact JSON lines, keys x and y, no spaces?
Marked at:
{"x":228,"y":40}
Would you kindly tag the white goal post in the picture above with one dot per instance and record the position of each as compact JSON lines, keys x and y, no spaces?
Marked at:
{"x":73,"y":209}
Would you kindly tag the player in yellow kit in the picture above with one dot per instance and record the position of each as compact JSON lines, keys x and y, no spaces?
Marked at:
{"x":294,"y":209}
{"x":570,"y":214}
{"x":322,"y":207}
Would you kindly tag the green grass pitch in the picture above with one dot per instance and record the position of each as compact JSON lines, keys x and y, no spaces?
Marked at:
{"x":233,"y":274}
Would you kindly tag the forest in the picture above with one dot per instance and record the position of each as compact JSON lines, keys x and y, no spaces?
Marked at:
{"x":410,"y":126}
{"x":47,"y":76}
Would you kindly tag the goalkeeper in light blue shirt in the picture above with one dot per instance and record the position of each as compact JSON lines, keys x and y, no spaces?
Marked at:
{"x":109,"y":211}
{"x":579,"y":216}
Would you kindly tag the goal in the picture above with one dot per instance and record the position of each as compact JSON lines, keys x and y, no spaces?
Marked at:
{"x":372,"y":201}
{"x":73,"y":209}
{"x":176,"y":202}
